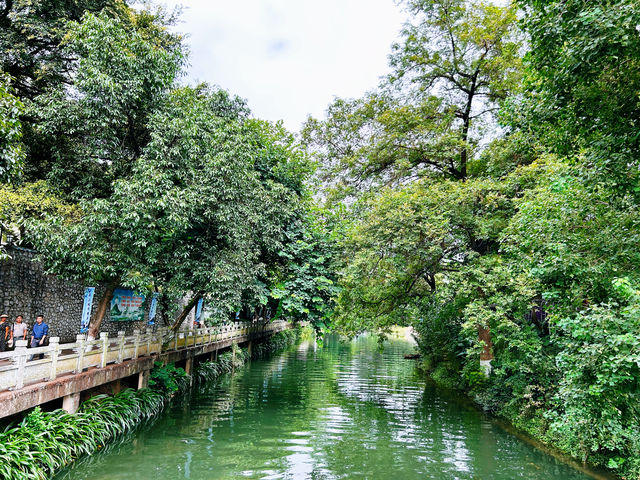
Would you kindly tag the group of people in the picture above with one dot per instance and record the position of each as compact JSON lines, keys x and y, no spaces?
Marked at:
{"x":20,"y":331}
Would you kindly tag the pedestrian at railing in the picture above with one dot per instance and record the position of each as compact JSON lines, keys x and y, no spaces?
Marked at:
{"x":5,"y":333}
{"x":39,"y":335}
{"x":19,"y":330}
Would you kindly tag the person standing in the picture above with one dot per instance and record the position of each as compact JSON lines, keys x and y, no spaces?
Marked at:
{"x":5,"y":333}
{"x":19,"y":330}
{"x":39,"y":334}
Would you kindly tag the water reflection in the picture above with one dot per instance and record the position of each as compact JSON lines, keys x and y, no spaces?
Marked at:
{"x":343,"y":411}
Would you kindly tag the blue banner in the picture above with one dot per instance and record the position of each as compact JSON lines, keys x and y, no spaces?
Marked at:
{"x":86,"y":309}
{"x":199,"y":310}
{"x":153,"y":308}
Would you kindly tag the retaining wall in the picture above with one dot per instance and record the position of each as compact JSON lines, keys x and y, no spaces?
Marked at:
{"x":26,"y":290}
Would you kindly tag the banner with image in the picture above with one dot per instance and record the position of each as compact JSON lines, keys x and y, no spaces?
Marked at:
{"x":199,"y":311}
{"x":153,"y":308}
{"x":127,"y":306}
{"x":86,"y":309}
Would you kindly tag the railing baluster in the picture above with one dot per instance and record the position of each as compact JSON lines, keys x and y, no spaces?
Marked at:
{"x":148,"y":333}
{"x":136,"y":342}
{"x":80,"y":339}
{"x":104,"y":336}
{"x":21,"y":360}
{"x":54,"y":344}
{"x":120,"y":346}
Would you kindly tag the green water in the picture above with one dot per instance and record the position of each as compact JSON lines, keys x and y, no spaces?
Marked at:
{"x":341,"y":411}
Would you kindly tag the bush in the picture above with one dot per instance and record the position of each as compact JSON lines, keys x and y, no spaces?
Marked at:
{"x":167,"y":378}
{"x":276,"y":343}
{"x":226,"y":363}
{"x":597,"y":405}
{"x":44,"y":442}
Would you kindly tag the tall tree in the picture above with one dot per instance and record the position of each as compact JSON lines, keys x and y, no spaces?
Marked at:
{"x":90,"y":134}
{"x":581,"y":86}
{"x":458,"y":60}
{"x":192,"y":216}
{"x":11,"y":148}
{"x":31,"y":33}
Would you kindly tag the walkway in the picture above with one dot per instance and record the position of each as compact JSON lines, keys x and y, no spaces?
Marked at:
{"x":70,"y":368}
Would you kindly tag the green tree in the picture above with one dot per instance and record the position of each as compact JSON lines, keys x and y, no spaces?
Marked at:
{"x":193,"y":215}
{"x":304,"y":280}
{"x":89,"y":135}
{"x":11,"y":148}
{"x":581,"y":85}
{"x":456,"y":63}
{"x":31,"y":33}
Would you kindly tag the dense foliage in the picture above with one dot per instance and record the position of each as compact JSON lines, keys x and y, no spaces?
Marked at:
{"x":225,"y":363}
{"x":487,"y":194}
{"x":44,"y":442}
{"x":511,"y":233}
{"x":126,"y":177}
{"x":281,"y":340}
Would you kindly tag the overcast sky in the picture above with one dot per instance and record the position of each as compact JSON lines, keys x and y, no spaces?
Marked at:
{"x":289,"y":58}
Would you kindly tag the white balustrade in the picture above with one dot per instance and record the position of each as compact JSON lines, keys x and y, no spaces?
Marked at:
{"x":23,"y":365}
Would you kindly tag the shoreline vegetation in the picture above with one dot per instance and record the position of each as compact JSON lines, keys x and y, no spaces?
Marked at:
{"x":44,"y":443}
{"x":507,"y":424}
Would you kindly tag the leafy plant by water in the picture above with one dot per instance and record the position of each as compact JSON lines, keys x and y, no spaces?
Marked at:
{"x":280,"y":341}
{"x":44,"y":442}
{"x":167,"y":378}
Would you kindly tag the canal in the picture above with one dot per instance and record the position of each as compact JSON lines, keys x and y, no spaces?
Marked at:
{"x":344,"y":410}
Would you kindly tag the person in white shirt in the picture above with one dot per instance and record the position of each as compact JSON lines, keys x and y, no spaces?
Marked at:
{"x":19,"y":331}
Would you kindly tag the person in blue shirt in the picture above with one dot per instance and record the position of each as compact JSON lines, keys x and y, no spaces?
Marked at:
{"x":39,"y":334}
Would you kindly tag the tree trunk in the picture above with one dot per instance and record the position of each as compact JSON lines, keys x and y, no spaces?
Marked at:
{"x":484,"y":336}
{"x":192,"y":303}
{"x":101,"y":311}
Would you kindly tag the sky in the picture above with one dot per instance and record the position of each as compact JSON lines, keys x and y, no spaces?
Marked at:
{"x":289,"y":58}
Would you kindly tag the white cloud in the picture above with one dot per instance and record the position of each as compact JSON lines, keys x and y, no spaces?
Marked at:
{"x":289,"y":58}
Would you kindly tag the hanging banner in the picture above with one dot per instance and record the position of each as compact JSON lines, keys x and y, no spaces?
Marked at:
{"x":199,"y":311}
{"x":126,"y":306}
{"x":153,"y":308}
{"x":86,"y":309}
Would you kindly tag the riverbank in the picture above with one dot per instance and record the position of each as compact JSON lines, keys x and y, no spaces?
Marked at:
{"x":45,"y":442}
{"x":530,"y":430}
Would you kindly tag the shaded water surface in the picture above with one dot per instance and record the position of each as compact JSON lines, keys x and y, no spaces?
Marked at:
{"x":341,"y":411}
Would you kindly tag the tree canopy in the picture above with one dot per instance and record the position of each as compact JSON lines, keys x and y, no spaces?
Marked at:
{"x":489,"y":190}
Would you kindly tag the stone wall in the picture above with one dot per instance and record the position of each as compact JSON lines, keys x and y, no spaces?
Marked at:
{"x":26,"y":290}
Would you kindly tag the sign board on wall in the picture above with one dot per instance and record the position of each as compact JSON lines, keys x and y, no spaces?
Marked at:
{"x":127,"y":306}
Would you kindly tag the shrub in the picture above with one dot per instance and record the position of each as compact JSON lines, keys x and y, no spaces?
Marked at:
{"x":167,"y":378}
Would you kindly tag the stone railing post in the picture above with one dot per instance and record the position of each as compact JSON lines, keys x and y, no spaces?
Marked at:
{"x":120,"y":347}
{"x":155,"y":338}
{"x":104,"y":336}
{"x":21,"y":360}
{"x":186,"y":337}
{"x":80,"y":340}
{"x":136,"y":342}
{"x":54,"y":343}
{"x":148,"y":335}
